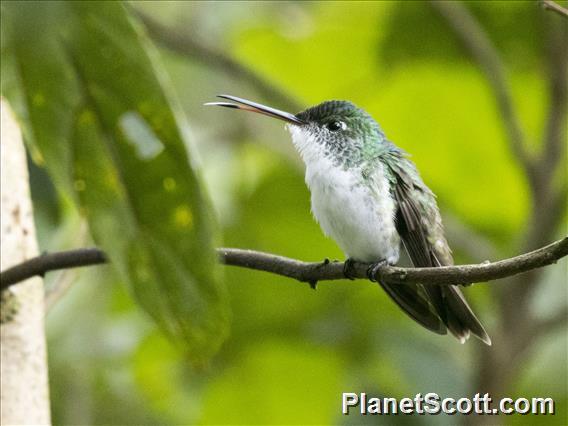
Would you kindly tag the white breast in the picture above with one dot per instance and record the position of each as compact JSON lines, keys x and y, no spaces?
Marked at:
{"x":359,"y":217}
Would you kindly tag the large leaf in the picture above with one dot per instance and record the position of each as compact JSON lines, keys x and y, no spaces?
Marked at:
{"x":88,"y":91}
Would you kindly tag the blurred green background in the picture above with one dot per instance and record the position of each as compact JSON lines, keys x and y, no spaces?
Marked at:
{"x":292,"y":351}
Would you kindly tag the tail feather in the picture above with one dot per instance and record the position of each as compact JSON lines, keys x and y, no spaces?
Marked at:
{"x":438,"y":308}
{"x":414,"y":302}
{"x":461,"y":321}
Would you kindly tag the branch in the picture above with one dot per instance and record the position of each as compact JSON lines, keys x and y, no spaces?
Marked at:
{"x":312,"y":272}
{"x":476,"y":41}
{"x":51,"y":262}
{"x":183,"y":44}
{"x":550,"y":164}
{"x":548,"y":199}
{"x":558,"y":94}
{"x":555,"y":7}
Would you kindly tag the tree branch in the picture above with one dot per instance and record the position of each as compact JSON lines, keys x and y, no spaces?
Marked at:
{"x":548,"y":199}
{"x":51,"y":262}
{"x":183,"y":44}
{"x":497,"y":368}
{"x":476,"y":41}
{"x":558,"y":93}
{"x":555,"y":7}
{"x":313,"y":272}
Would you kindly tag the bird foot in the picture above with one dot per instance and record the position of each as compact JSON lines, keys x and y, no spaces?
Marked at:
{"x":349,"y":269}
{"x":374,"y":268}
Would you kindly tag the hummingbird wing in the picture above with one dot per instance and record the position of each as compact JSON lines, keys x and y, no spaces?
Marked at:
{"x":419,"y":225}
{"x":413,"y":299}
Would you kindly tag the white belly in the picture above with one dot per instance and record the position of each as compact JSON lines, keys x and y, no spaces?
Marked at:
{"x":358,"y":218}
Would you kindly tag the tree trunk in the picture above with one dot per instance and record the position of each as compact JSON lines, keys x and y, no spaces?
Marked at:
{"x":24,"y":396}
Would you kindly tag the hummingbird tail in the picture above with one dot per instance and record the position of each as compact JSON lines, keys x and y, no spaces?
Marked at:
{"x":460,"y":319}
{"x":414,"y":301}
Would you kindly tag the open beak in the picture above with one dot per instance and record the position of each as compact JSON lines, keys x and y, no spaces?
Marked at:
{"x":245,"y":105}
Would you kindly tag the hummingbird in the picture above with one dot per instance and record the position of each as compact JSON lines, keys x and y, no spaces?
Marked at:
{"x":368,"y":196}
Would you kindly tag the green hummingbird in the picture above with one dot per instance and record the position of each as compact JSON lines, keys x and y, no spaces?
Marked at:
{"x":368,"y":196}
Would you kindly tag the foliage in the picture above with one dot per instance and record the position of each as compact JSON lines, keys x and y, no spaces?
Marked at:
{"x":113,"y":144}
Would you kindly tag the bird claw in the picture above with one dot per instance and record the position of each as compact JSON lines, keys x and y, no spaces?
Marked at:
{"x":374,"y":268}
{"x":349,"y":269}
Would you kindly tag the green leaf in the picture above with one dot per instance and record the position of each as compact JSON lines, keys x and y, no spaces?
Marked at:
{"x":89,"y":93}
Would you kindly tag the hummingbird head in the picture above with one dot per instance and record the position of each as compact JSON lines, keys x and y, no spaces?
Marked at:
{"x":338,"y":130}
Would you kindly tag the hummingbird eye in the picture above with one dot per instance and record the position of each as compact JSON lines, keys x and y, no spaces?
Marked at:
{"x":335,"y":126}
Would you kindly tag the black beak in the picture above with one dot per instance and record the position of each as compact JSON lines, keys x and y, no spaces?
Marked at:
{"x":245,"y":105}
